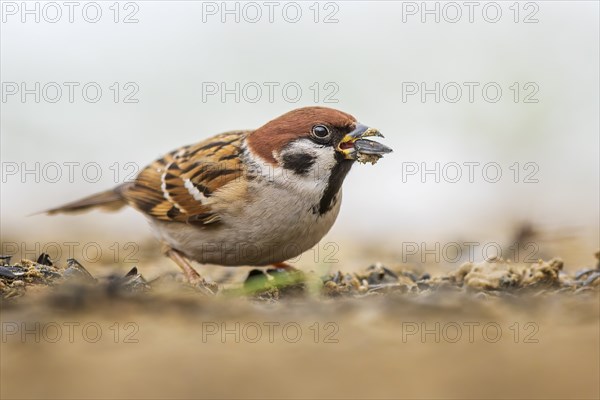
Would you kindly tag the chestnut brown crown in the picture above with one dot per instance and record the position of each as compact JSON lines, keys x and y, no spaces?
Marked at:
{"x":296,"y":124}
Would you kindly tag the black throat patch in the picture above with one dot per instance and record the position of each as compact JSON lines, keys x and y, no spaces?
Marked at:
{"x":338,"y":173}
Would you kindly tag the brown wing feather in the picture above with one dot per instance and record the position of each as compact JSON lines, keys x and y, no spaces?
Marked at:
{"x":181,"y":186}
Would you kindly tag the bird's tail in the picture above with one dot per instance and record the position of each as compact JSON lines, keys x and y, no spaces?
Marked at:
{"x":110,"y":200}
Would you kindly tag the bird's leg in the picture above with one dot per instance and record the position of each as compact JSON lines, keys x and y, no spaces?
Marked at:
{"x":191,"y":275}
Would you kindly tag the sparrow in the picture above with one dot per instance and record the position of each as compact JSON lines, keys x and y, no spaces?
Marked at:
{"x":248,"y":197}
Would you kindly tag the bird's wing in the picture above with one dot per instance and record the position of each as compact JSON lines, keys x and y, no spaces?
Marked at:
{"x":191,"y":183}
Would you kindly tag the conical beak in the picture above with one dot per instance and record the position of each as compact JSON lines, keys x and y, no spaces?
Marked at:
{"x":354,"y":145}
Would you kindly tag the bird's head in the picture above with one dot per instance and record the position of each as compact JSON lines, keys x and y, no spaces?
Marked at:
{"x":311,"y":136}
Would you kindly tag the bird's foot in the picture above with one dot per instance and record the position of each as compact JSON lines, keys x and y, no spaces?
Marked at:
{"x":191,"y":275}
{"x":286,"y":267}
{"x":208,"y":288}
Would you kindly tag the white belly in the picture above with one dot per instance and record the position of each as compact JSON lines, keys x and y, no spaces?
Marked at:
{"x":274,"y":226}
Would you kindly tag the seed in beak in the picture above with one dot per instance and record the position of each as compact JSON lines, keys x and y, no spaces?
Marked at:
{"x":369,"y":151}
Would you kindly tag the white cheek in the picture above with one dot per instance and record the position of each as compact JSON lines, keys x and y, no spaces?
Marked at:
{"x":317,"y":176}
{"x":324,"y":163}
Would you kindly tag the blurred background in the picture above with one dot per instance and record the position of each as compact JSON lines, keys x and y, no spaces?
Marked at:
{"x":509,"y":87}
{"x":491,"y":109}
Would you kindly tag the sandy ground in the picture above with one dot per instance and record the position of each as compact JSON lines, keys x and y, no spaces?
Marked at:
{"x":487,"y":330}
{"x":371,"y":353}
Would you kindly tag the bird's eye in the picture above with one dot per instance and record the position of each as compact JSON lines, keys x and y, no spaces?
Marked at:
{"x":321,"y":133}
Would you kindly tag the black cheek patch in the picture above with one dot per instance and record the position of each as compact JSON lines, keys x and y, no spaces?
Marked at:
{"x":299,"y":163}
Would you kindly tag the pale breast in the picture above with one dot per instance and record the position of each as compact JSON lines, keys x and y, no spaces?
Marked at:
{"x":277,"y":223}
